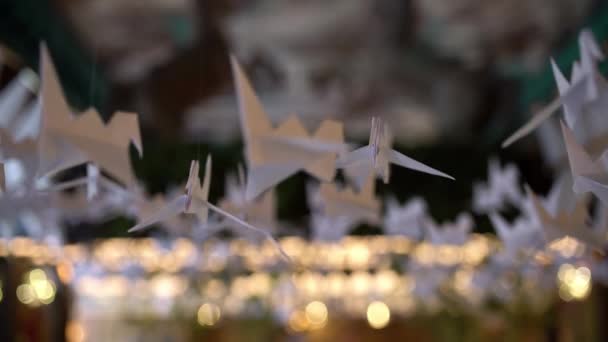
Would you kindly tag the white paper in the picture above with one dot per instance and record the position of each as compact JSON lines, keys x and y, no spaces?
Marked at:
{"x":377,"y":156}
{"x":274,"y":154}
{"x":588,"y":175}
{"x":522,"y":235}
{"x":260,"y":211}
{"x":66,"y":141}
{"x":360,"y":205}
{"x":501,"y":190}
{"x":406,"y":219}
{"x":450,"y":233}
{"x":586,"y":87}
{"x":569,"y":223}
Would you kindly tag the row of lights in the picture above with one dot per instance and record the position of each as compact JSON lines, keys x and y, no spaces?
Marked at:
{"x":315,"y":316}
{"x":355,"y":253}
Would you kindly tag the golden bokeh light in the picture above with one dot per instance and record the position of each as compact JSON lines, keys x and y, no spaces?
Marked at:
{"x":574,"y":282}
{"x":208,"y":314}
{"x":37,"y":289}
{"x":74,"y":332}
{"x":316,"y":314}
{"x":298,"y":322}
{"x":378,"y":315}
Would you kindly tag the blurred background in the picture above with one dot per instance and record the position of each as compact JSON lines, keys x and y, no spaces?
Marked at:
{"x":452,"y":77}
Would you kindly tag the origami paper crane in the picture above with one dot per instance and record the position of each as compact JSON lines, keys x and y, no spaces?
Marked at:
{"x":450,"y":233}
{"x":330,"y":228}
{"x":569,"y":223}
{"x":377,"y":156}
{"x":523,"y":234}
{"x":195,"y":201}
{"x":588,"y":175}
{"x":586,"y":88}
{"x":502,"y":188}
{"x":192,"y":202}
{"x":260,"y":211}
{"x":407,"y":219}
{"x":274,"y":154}
{"x":14,"y":97}
{"x":235,"y":201}
{"x":361,"y":205}
{"x":66,"y":141}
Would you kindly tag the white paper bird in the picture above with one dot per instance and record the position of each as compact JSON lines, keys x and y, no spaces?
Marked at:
{"x":330,"y":228}
{"x":274,"y":154}
{"x":260,"y":211}
{"x":450,"y":233}
{"x":377,"y":156}
{"x":502,"y":188}
{"x":25,"y":152}
{"x":14,"y":99}
{"x":360,"y":205}
{"x":195,"y":202}
{"x":192,"y":202}
{"x":235,"y":200}
{"x":569,"y":223}
{"x":406,"y":219}
{"x":588,"y":175}
{"x":67,"y":140}
{"x":522,"y":235}
{"x":587,"y":88}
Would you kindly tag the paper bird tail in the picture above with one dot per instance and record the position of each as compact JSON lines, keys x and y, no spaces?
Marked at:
{"x":581,"y":163}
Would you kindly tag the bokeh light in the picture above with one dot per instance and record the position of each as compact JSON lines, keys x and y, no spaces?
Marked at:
{"x":208,"y":314}
{"x":378,"y":315}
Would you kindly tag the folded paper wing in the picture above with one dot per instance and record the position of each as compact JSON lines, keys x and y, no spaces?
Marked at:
{"x":569,"y":223}
{"x":588,"y":175}
{"x":585,"y":87}
{"x":521,"y":235}
{"x":14,"y":97}
{"x":450,"y":233}
{"x":274,"y":154}
{"x":377,"y":156}
{"x":171,"y":209}
{"x":405,"y":219}
{"x":361,"y":204}
{"x":197,"y":191}
{"x":66,"y":141}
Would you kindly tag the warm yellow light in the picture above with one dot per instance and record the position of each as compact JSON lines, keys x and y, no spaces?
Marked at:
{"x":297,"y":321}
{"x":42,"y":287}
{"x":65,"y":272}
{"x":335,"y":284}
{"x":1,"y":293}
{"x":215,"y":289}
{"x":74,"y":332}
{"x":37,"y":275}
{"x":386,"y":281}
{"x":26,"y":294}
{"x":260,"y":284}
{"x":167,"y":286}
{"x":358,"y":255}
{"x":316,"y":314}
{"x":567,"y":247}
{"x":208,"y":314}
{"x":575,"y":283}
{"x":378,"y":315}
